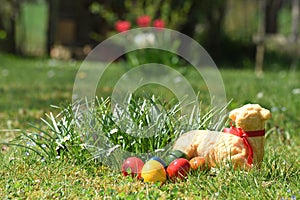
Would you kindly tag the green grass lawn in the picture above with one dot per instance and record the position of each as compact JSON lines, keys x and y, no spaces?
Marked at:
{"x":29,"y":86}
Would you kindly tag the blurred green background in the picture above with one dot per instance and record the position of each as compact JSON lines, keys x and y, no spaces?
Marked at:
{"x":229,"y":30}
{"x":42,"y":44}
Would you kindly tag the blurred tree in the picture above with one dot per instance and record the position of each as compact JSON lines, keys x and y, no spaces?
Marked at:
{"x":53,"y":14}
{"x":271,"y":9}
{"x":295,"y":33}
{"x":260,"y":48}
{"x":209,"y":15}
{"x":9,"y":11}
{"x":213,"y":14}
{"x":194,"y":16}
{"x":295,"y":21}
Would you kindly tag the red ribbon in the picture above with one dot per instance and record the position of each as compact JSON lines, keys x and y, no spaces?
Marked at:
{"x":244,"y":135}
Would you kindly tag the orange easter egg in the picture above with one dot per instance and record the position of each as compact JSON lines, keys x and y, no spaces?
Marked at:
{"x":198,"y":163}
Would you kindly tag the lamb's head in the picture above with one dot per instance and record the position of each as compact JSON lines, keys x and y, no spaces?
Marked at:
{"x":250,"y":117}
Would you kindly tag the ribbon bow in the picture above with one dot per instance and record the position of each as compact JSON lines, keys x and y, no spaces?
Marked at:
{"x":244,"y":135}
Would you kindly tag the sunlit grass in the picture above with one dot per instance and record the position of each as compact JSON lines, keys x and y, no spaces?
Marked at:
{"x":26,"y":95}
{"x":24,"y":177}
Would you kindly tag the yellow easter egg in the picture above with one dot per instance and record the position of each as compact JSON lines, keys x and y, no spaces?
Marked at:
{"x":153,"y":171}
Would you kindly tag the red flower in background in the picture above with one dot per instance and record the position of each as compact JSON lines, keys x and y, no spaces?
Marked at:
{"x":143,"y":20}
{"x":159,"y":23}
{"x":122,"y":26}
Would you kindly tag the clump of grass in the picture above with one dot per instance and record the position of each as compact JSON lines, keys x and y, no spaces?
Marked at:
{"x":109,"y":133}
{"x":143,"y":127}
{"x":60,"y":140}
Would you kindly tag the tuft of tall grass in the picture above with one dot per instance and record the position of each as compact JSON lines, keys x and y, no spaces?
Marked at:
{"x":143,"y":127}
{"x":110,"y":132}
{"x":60,"y":139}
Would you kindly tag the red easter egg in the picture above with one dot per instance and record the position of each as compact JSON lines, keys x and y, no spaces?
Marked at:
{"x":197,"y":163}
{"x":133,"y":166}
{"x":178,"y":168}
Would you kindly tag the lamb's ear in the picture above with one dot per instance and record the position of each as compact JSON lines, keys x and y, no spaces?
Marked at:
{"x":265,"y":114}
{"x":233,"y":114}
